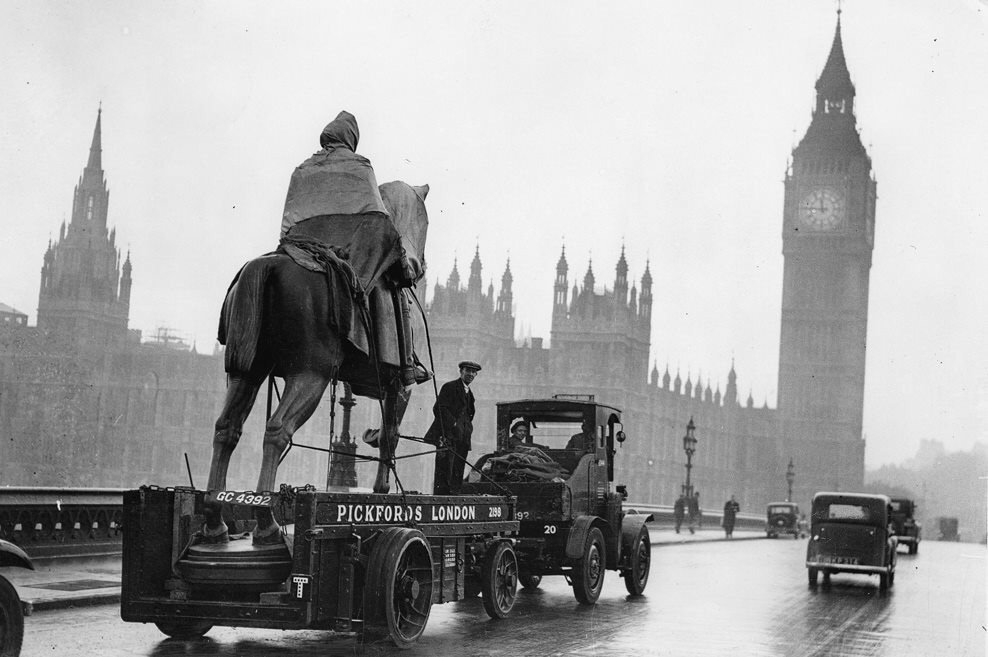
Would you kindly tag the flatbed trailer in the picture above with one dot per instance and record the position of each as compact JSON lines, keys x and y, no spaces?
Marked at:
{"x":366,"y":563}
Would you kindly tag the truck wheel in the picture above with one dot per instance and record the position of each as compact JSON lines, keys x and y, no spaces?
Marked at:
{"x":500,"y":580}
{"x":11,"y":620}
{"x":398,"y":587}
{"x":184,"y":629}
{"x":636,"y":577}
{"x":588,"y":573}
{"x":812,"y":572}
{"x":530,"y":582}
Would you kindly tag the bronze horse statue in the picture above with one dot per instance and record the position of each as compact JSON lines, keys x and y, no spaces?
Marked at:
{"x":278,"y":319}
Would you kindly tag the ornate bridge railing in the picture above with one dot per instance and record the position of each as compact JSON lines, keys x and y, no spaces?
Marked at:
{"x":62,"y":522}
{"x":664,"y":517}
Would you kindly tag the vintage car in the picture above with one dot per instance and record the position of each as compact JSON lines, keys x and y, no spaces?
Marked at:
{"x":11,"y":613}
{"x":851,"y":533}
{"x":906,"y":527}
{"x":782,"y":518}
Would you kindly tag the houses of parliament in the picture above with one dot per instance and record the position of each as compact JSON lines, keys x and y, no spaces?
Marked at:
{"x":85,"y":400}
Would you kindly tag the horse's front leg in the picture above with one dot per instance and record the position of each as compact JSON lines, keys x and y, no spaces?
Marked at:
{"x":241,"y":391}
{"x":395,"y":403}
{"x":302,"y":395}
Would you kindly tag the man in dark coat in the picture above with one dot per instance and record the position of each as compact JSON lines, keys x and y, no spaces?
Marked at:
{"x":453,"y":410}
{"x":695,"y":515}
{"x":731,"y":508}
{"x":679,"y":511}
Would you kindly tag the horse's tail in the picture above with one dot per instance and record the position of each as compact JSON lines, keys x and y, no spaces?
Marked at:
{"x":240,"y":318}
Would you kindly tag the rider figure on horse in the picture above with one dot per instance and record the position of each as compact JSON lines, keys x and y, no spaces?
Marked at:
{"x":333,"y":196}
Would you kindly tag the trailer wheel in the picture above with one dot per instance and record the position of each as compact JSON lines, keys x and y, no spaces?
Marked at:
{"x":500,"y":581}
{"x":588,"y":573}
{"x":398,"y":587}
{"x":184,"y":629}
{"x":530,"y":582}
{"x":11,"y":619}
{"x":636,"y":576}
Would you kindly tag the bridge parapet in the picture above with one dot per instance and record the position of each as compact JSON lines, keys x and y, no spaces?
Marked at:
{"x":664,"y":516}
{"x":62,"y":522}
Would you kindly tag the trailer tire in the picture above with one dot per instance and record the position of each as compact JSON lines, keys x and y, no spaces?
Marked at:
{"x":500,"y":580}
{"x":398,"y":582}
{"x":588,"y":572}
{"x":11,"y":619}
{"x":639,"y":563}
{"x":184,"y":629}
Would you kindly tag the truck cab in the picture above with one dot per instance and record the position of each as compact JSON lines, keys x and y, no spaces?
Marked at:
{"x":572,"y":520}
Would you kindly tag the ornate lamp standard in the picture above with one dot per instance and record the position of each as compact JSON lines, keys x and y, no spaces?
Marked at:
{"x":790,"y":477}
{"x":689,"y":446}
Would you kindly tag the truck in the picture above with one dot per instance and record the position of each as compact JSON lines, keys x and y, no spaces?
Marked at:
{"x":907,"y":528}
{"x":368,"y":564}
{"x":571,"y":519}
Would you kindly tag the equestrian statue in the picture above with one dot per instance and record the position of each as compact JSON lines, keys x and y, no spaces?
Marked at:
{"x":332,"y":303}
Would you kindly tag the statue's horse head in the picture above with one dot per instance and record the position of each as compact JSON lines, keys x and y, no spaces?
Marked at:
{"x":406,"y":204}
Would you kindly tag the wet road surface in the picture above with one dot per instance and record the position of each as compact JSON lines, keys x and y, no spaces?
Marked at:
{"x":727,"y":598}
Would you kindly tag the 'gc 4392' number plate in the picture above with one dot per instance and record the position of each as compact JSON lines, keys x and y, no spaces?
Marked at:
{"x":238,"y":497}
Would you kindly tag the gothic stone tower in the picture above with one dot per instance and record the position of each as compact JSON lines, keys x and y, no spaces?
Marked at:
{"x":84,"y":300}
{"x":828,"y":237}
{"x":600,"y":341}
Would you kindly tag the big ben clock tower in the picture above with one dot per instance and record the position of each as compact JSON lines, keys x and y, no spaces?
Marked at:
{"x":827,"y":240}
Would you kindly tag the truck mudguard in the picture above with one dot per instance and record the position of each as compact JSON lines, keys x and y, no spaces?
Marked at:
{"x":631,"y":524}
{"x":11,"y":555}
{"x":578,"y":534}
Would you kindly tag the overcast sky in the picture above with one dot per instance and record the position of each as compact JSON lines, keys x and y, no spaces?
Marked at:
{"x":664,"y":127}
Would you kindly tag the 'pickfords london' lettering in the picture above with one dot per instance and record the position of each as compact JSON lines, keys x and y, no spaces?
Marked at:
{"x":386,"y":513}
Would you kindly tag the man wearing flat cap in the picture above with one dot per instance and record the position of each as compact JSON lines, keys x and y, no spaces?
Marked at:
{"x":453,"y":410}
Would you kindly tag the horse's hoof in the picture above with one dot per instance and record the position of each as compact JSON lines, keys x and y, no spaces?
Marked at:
{"x":269,"y":536}
{"x":213,"y":536}
{"x":415,"y":375}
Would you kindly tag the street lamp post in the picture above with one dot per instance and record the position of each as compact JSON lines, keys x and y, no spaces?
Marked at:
{"x":689,"y":446}
{"x":790,"y":477}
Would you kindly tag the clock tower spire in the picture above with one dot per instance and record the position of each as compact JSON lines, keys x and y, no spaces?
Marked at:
{"x":827,"y":240}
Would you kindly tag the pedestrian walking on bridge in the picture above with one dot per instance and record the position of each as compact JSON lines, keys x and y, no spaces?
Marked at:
{"x":679,"y":511}
{"x":731,"y":508}
{"x":695,"y":515}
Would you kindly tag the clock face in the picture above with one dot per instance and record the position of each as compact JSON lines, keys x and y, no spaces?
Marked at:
{"x":822,"y":210}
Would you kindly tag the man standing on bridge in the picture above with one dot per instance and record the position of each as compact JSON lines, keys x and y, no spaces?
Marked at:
{"x":453,"y":410}
{"x":696,"y":518}
{"x":679,"y":511}
{"x":731,"y":508}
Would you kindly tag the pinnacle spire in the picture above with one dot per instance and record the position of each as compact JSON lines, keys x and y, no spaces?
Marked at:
{"x":96,"y":148}
{"x":835,"y":81}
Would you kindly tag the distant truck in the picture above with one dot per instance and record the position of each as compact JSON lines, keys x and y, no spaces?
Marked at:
{"x":948,"y":529}
{"x":572,"y":522}
{"x":907,"y":529}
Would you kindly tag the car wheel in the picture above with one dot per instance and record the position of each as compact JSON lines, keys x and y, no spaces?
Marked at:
{"x":183,"y":629}
{"x":826,"y":578}
{"x":11,"y":619}
{"x":883,"y":581}
{"x":588,"y":573}
{"x":530,"y":582}
{"x":812,"y":572}
{"x":636,"y":577}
